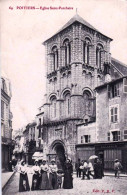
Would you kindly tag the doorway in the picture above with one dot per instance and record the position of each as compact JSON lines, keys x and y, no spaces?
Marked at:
{"x":60,"y":155}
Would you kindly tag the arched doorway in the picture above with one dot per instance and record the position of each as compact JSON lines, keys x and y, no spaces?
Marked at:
{"x":58,"y":147}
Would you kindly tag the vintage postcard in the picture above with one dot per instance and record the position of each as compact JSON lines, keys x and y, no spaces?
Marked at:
{"x":63,"y":97}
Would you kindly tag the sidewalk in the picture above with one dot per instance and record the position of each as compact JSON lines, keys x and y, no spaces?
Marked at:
{"x":5,"y":177}
{"x":112,"y":174}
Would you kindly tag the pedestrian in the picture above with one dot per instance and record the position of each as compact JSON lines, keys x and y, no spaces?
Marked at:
{"x":14,"y":163}
{"x":85,"y":170}
{"x":117,"y":168}
{"x":23,"y":180}
{"x":98,"y":169}
{"x":59,"y":178}
{"x":10,"y":166}
{"x":53,"y":175}
{"x":44,"y":183}
{"x":90,"y":169}
{"x":68,"y":175}
{"x":36,"y":174}
{"x":77,"y":167}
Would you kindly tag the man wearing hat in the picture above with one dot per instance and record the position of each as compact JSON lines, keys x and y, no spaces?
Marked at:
{"x":117,"y":167}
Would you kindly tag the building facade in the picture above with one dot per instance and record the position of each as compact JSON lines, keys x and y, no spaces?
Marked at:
{"x":78,"y":60}
{"x":6,"y":122}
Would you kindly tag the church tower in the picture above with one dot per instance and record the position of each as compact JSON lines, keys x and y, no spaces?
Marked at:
{"x":78,"y":60}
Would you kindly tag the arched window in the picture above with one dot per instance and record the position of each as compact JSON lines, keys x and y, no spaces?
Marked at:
{"x":99,"y":50}
{"x":67,"y":52}
{"x":55,"y":57}
{"x":67,"y":103}
{"x":86,"y":53}
{"x":53,"y":106}
{"x":87,"y":103}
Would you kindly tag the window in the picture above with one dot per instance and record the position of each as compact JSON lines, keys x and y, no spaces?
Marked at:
{"x":85,"y":139}
{"x":114,"y":114}
{"x":68,"y":106}
{"x":39,"y":133}
{"x":34,"y":133}
{"x":2,"y":109}
{"x":67,"y":52}
{"x":67,"y":103}
{"x":86,"y":53}
{"x":53,"y":107}
{"x":113,"y":90}
{"x":87,"y":103}
{"x":55,"y":58}
{"x":99,"y":50}
{"x":108,"y":134}
{"x":125,"y":134}
{"x":125,"y":85}
{"x":116,"y":135}
{"x":39,"y":121}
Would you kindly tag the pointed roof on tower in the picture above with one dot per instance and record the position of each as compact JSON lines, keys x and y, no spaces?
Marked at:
{"x":76,"y":18}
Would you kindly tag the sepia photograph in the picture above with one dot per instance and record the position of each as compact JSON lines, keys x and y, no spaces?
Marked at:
{"x":63,"y":97}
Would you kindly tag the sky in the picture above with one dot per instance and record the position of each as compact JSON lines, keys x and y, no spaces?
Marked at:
{"x":24,"y":31}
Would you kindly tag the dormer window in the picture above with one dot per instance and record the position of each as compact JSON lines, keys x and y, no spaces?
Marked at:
{"x":55,"y":58}
{"x":99,"y":50}
{"x":113,"y":90}
{"x":67,"y":52}
{"x":86,"y":53}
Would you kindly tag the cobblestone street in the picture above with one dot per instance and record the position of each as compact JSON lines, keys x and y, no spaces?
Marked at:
{"x":107,"y":185}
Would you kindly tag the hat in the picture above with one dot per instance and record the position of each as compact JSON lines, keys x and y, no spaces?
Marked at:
{"x":22,"y":161}
{"x":44,"y":160}
{"x":116,"y":160}
{"x":36,"y":160}
{"x":69,"y":159}
{"x":53,"y":160}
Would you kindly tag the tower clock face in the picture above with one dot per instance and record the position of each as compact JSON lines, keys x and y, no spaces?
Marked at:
{"x":108,"y":78}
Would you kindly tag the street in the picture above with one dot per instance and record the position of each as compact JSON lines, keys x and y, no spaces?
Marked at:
{"x":107,"y":185}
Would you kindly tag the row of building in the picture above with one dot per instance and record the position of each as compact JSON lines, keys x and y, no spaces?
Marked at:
{"x":6,"y":123}
{"x":85,"y":108}
{"x":29,"y":140}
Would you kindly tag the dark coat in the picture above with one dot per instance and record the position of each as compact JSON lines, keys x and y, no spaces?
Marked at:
{"x":23,"y":183}
{"x":53,"y":181}
{"x":98,"y":170}
{"x":68,"y":180}
{"x":35,"y":182}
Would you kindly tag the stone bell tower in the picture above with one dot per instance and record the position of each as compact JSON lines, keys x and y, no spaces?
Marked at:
{"x":75,"y":58}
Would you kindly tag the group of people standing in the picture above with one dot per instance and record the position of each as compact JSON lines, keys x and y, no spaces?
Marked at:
{"x":86,"y":169}
{"x":46,"y":177}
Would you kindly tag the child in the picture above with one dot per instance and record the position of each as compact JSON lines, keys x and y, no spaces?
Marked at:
{"x":59,"y":178}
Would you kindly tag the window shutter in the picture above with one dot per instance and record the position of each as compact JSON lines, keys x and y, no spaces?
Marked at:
{"x":112,"y":113}
{"x":109,"y":91}
{"x":118,"y":135}
{"x":117,"y":86}
{"x":81,"y":139}
{"x":89,"y":138}
{"x":115,"y":114}
{"x":125,"y":134}
{"x":108,"y":136}
{"x":125,"y":85}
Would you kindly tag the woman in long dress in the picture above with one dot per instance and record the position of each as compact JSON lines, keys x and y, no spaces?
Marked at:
{"x":36,"y":174}
{"x":98,"y":169}
{"x":53,"y":175}
{"x":44,"y":183}
{"x":68,"y":172}
{"x":23,"y":180}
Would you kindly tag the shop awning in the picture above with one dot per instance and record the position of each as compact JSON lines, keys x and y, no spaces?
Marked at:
{"x":37,"y":155}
